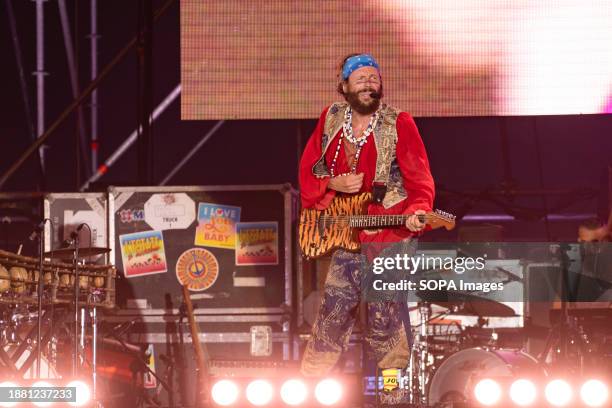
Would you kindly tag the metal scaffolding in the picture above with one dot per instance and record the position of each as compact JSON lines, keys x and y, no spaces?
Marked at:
{"x":44,"y":132}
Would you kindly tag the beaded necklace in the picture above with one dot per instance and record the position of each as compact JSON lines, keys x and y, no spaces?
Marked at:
{"x":347,"y":132}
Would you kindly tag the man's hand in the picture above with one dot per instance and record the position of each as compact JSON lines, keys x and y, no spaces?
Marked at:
{"x":413,"y":223}
{"x":350,"y":183}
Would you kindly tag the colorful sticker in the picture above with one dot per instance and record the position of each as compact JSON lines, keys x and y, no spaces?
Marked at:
{"x":257,"y":243}
{"x":169,"y":211}
{"x":217,"y":225}
{"x":390,"y":376}
{"x":143,"y":253}
{"x":149,"y":381}
{"x":197,"y":268}
{"x":131,"y":215}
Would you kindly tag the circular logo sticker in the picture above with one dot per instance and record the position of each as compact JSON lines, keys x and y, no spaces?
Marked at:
{"x":197,"y":268}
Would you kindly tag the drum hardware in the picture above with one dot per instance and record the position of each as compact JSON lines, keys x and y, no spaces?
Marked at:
{"x":422,"y":369}
{"x":421,"y":358}
{"x":47,"y":367}
{"x":140,"y":358}
{"x":465,"y":304}
{"x":417,"y":378}
{"x":54,"y":282}
{"x":39,"y":289}
{"x":77,"y":286}
{"x":94,"y":323}
{"x":456,"y":377}
{"x":22,"y":355}
{"x":76,"y":254}
{"x":566,"y":332}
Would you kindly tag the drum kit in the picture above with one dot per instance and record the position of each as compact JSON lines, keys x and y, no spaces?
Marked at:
{"x":448,"y":357}
{"x":36,"y":297}
{"x":443,"y":350}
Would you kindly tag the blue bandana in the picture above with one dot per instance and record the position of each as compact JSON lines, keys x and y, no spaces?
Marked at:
{"x":358,"y":61}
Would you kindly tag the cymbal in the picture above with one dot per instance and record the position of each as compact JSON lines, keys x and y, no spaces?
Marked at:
{"x":68,"y":253}
{"x":508,"y":275}
{"x":465,"y":304}
{"x":492,"y":273}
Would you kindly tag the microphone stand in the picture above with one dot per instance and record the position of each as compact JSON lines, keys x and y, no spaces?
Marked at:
{"x":75,"y":261}
{"x":41,"y":250}
{"x":77,"y":285}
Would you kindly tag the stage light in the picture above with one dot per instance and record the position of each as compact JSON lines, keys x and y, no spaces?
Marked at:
{"x":523,"y":392}
{"x":558,"y":393}
{"x":328,"y":391}
{"x":259,"y":392}
{"x":487,"y":392}
{"x":293,"y":392}
{"x":224,"y":392}
{"x":594,"y":393}
{"x":40,"y":384}
{"x":8,"y":384}
{"x":82,"y":393}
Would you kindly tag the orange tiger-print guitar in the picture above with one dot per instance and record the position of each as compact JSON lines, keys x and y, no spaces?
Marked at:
{"x":321,"y":231}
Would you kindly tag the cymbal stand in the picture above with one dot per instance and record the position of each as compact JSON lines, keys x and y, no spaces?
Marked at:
{"x":419,"y":354}
{"x":39,"y":290}
{"x":418,"y":373}
{"x":75,"y":263}
{"x":94,"y":297}
{"x":565,"y":331}
{"x":77,"y":284}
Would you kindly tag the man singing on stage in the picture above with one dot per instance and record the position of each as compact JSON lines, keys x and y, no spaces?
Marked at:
{"x":363,"y":145}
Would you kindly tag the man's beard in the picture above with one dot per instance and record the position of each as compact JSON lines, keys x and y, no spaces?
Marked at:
{"x":364,"y":108}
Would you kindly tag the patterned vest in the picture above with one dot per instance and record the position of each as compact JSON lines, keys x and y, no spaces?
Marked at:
{"x":385,"y":137}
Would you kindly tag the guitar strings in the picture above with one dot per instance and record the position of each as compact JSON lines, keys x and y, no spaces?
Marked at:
{"x":334,"y":219}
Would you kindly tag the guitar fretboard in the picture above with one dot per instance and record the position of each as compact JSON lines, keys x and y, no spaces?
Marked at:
{"x":373,"y":221}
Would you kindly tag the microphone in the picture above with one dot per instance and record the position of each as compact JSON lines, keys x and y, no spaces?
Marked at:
{"x":38,"y":229}
{"x":66,"y":243}
{"x":74,"y":234}
{"x":123,"y":328}
{"x":33,"y":235}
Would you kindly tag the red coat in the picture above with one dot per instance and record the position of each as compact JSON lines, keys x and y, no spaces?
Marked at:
{"x":412,"y":160}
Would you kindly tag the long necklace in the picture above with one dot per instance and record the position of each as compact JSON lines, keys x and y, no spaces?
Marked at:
{"x":347,"y":128}
{"x":347,"y":131}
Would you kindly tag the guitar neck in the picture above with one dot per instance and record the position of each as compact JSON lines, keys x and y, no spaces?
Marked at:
{"x":200,"y":351}
{"x":375,"y":221}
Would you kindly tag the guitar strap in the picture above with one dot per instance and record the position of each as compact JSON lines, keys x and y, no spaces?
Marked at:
{"x":385,"y":137}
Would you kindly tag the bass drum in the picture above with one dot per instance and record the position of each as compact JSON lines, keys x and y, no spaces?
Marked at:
{"x":456,"y":377}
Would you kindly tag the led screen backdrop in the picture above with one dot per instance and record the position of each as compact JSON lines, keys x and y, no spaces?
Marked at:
{"x":252,"y":59}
